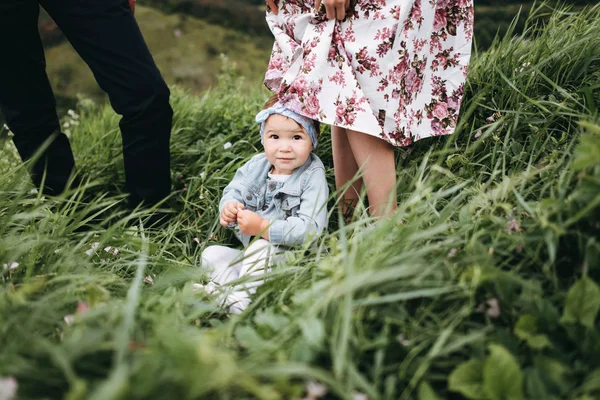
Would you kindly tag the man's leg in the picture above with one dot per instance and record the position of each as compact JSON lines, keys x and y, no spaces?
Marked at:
{"x":26,"y":98}
{"x":106,"y":35}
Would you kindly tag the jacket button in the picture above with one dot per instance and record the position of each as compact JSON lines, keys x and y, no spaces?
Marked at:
{"x":249,"y":197}
{"x":271,"y":186}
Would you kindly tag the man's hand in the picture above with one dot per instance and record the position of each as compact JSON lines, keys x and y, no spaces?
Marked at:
{"x":251,"y":223}
{"x":336,"y":9}
{"x":132,"y":6}
{"x":230,"y":213}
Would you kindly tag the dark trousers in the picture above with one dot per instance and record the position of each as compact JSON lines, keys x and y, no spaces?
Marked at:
{"x":107,"y":37}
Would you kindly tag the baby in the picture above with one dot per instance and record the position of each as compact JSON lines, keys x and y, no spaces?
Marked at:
{"x":275,"y":201}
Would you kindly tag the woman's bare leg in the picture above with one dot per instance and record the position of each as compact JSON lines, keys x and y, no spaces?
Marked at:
{"x":345,"y":169}
{"x":378,"y":166}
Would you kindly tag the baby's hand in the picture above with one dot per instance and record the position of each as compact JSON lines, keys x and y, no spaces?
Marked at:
{"x":251,"y":223}
{"x":230,"y":213}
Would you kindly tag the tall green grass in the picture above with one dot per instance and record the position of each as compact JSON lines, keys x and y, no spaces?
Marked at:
{"x":483,"y":285}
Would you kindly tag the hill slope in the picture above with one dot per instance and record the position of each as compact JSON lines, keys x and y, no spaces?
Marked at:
{"x":186,"y":50}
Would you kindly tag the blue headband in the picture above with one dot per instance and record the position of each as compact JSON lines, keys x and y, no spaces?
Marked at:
{"x":277,"y":108}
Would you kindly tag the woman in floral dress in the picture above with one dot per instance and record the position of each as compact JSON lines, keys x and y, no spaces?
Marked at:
{"x":383,"y":73}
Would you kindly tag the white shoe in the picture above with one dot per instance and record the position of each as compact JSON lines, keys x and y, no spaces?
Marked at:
{"x":209,"y":288}
{"x":238,"y":302}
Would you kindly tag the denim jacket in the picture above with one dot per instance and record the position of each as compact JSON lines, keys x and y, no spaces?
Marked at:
{"x":296,"y":208}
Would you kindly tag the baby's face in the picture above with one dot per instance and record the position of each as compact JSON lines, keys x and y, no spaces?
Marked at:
{"x":287,"y":145}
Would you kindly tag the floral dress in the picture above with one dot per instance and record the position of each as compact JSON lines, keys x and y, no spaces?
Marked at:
{"x":394,"y":69}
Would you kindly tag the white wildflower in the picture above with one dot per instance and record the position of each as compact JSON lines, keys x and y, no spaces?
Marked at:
{"x":403,"y":340}
{"x":227,"y":145}
{"x":150,"y":279}
{"x":315,"y":390}
{"x":8,"y":388}
{"x":359,"y":396}
{"x":73,"y":114}
{"x":66,"y":124}
{"x":197,"y":240}
{"x":111,"y":250}
{"x":513,"y":226}
{"x":68,"y":319}
{"x":202,"y":175}
{"x":10,"y":266}
{"x":478,"y":133}
{"x":493,"y":310}
{"x":452,"y":252}
{"x":93,"y":247}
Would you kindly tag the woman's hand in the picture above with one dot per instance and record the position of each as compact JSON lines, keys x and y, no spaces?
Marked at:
{"x":272,"y":6}
{"x":132,"y":5}
{"x":335,"y":9}
{"x":230,"y":213}
{"x":252,"y":224}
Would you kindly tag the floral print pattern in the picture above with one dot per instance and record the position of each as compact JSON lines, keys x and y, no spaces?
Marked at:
{"x":393,"y":69}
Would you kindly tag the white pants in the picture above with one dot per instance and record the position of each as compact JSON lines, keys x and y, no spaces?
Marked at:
{"x":226,"y":265}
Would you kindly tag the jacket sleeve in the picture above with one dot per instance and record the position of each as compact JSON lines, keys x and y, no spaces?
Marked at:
{"x":311,"y":219}
{"x":235,"y":190}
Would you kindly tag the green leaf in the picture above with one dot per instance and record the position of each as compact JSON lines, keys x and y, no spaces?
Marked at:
{"x":467,"y":379}
{"x":539,"y":342}
{"x":592,"y":382}
{"x":271,"y":320}
{"x":426,"y":392}
{"x":534,"y":384}
{"x":502,"y":375}
{"x":554,"y":373}
{"x":526,"y":329}
{"x":582,"y":304}
{"x":313,"y":331}
{"x":587,"y":152}
{"x":249,"y":338}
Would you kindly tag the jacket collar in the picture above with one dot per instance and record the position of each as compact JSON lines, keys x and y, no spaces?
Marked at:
{"x":293,"y":186}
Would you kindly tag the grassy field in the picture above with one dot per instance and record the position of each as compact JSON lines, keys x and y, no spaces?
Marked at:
{"x":483,"y":285}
